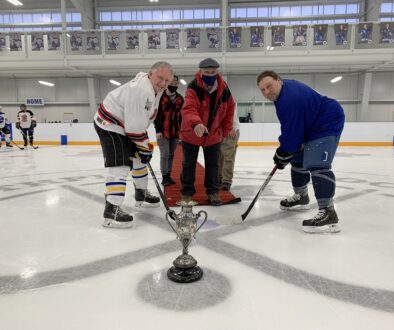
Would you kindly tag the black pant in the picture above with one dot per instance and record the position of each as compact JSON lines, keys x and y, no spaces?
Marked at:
{"x":27,"y":133}
{"x":188,"y":176}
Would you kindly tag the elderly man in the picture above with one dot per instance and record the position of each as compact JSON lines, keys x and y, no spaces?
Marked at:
{"x":207,"y":117}
{"x":121,"y":123}
{"x":311,"y":125}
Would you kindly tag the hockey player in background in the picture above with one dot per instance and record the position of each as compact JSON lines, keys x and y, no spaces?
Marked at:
{"x":26,"y":123}
{"x":4,"y":130}
{"x":121,"y":123}
{"x":311,"y":125}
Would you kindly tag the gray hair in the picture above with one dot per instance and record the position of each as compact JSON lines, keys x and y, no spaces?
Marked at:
{"x":162,"y":64}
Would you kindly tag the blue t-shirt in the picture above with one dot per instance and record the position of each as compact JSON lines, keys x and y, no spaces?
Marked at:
{"x":306,"y":115}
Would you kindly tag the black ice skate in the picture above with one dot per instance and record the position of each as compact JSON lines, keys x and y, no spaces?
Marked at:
{"x":114,"y":217}
{"x":143,"y":195}
{"x":326,"y":221}
{"x":297,"y":201}
{"x":9,"y":145}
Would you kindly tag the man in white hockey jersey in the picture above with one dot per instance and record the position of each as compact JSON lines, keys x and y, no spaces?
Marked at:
{"x":121,"y":123}
{"x":26,"y":123}
{"x":4,"y":129}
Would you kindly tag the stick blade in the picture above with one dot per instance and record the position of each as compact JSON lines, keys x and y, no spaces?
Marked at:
{"x":229,"y":220}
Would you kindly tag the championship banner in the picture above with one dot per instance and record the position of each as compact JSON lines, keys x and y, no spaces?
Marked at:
{"x":213,"y":36}
{"x":193,"y":38}
{"x":154,"y":39}
{"x":320,"y":34}
{"x":113,"y":40}
{"x":15,"y":42}
{"x":234,"y":37}
{"x":132,"y":39}
{"x":37,"y":41}
{"x":93,"y":41}
{"x":54,"y":41}
{"x":172,"y":38}
{"x":341,"y":31}
{"x":257,"y":36}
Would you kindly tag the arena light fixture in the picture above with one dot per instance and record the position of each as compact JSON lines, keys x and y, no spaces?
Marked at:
{"x":46,"y":83}
{"x":336,"y":79}
{"x":183,"y":81}
{"x":114,"y":82}
{"x":15,"y":2}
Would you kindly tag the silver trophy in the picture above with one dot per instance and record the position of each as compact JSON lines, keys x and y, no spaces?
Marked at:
{"x":185,"y":269}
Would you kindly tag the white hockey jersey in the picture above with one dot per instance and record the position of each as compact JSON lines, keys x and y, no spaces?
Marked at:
{"x":3,"y":120}
{"x":130,"y":109}
{"x":25,"y":118}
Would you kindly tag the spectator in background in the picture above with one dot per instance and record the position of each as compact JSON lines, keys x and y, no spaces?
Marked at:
{"x":167,"y":125}
{"x":228,"y":150}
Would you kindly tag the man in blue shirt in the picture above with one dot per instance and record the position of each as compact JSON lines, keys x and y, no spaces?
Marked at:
{"x":311,"y":125}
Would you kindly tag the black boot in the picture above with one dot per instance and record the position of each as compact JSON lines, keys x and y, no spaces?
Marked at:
{"x":166,"y":180}
{"x":326,"y":221}
{"x":296,"y":201}
{"x":143,"y":195}
{"x":114,"y":217}
{"x":170,"y":180}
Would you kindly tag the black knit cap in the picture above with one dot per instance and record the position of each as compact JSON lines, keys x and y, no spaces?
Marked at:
{"x":208,"y":63}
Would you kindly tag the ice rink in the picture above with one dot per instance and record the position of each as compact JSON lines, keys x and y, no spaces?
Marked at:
{"x":60,"y":269}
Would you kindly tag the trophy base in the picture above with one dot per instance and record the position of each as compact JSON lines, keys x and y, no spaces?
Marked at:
{"x":185,"y":275}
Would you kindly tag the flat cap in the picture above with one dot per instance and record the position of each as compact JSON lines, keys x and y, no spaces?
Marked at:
{"x":208,"y":63}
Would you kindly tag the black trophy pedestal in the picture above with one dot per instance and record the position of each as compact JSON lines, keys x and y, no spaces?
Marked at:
{"x":184,"y":275}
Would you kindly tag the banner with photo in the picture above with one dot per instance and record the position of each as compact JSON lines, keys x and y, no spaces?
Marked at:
{"x":257,"y":36}
{"x":37,"y":41}
{"x":278,"y":35}
{"x":15,"y":42}
{"x":113,"y":40}
{"x":132,"y":39}
{"x":320,"y":34}
{"x":341,"y":34}
{"x":172,"y":38}
{"x":234,"y":37}
{"x":386,"y":33}
{"x":154,"y":39}
{"x":3,"y":45}
{"x":299,"y":35}
{"x":76,"y":41}
{"x":213,"y":36}
{"x":54,"y":41}
{"x":365,"y":33}
{"x":193,"y":38}
{"x":93,"y":41}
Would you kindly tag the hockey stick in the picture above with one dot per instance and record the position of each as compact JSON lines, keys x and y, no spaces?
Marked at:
{"x":2,"y":133}
{"x":163,"y":198}
{"x":25,"y":137}
{"x":222,"y":220}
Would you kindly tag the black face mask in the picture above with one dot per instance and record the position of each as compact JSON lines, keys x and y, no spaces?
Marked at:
{"x":172,"y":89}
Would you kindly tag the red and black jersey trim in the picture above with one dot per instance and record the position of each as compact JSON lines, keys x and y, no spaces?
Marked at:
{"x":138,"y":137}
{"x":107,"y":116}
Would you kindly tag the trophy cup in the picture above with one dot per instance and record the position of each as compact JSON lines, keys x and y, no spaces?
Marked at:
{"x":185,"y":269}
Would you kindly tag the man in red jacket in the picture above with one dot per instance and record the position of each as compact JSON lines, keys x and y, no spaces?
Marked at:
{"x":207,"y":117}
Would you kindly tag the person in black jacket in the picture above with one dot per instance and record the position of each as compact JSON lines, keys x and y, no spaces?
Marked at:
{"x":167,"y":124}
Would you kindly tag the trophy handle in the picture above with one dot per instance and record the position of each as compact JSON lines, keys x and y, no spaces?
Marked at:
{"x":206,"y":217}
{"x":169,"y":213}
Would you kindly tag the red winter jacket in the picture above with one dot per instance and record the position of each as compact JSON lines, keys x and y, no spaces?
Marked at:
{"x":196,"y":110}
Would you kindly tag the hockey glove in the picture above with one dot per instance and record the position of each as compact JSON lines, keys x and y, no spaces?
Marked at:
{"x":18,"y":125}
{"x":144,"y":154}
{"x":33,"y":123}
{"x":282,"y":158}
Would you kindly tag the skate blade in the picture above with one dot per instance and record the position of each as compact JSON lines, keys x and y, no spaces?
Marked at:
{"x":146,"y":205}
{"x":327,"y":229}
{"x":109,"y":223}
{"x":296,"y":208}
